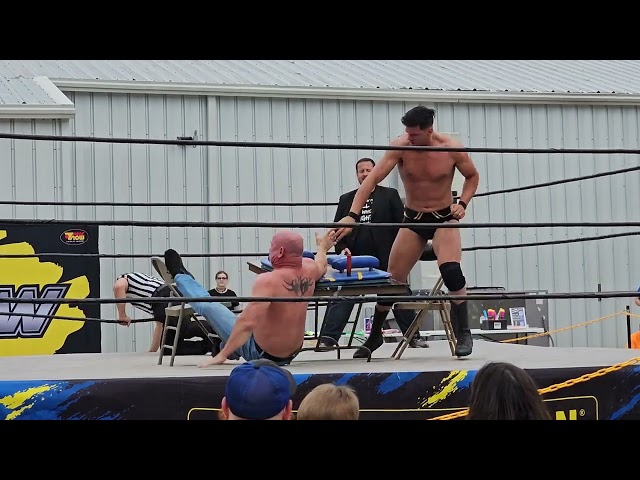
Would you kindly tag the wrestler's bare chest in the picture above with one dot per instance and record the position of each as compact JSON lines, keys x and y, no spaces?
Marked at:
{"x":426,"y":167}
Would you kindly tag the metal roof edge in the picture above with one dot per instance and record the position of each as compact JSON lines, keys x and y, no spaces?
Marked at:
{"x":40,"y":111}
{"x":52,"y":90}
{"x":440,"y":96}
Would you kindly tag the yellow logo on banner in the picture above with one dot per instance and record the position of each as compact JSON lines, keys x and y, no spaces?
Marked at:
{"x":31,"y":277}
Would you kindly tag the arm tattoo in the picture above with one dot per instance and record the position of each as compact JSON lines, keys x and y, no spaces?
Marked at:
{"x":299,"y":285}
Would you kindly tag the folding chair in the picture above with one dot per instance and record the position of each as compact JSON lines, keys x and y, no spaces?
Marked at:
{"x":180,"y":312}
{"x":423,"y":307}
{"x":336,"y":346}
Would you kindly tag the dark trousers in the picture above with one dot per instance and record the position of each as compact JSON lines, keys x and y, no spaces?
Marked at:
{"x":338,"y":315}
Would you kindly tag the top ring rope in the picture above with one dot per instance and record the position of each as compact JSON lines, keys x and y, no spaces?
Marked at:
{"x":167,"y":204}
{"x":264,"y":254}
{"x":557,"y":182}
{"x":168,"y":224}
{"x":333,"y":299}
{"x":326,"y":146}
{"x":299,"y":204}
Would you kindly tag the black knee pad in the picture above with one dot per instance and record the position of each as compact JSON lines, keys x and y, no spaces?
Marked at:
{"x":452,"y":276}
{"x":407,"y":293}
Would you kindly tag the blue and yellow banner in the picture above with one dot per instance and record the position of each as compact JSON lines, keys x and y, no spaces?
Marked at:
{"x":383,"y":396}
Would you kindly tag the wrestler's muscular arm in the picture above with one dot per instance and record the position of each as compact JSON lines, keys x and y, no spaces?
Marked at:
{"x":248,"y":319}
{"x":465,"y":166}
{"x":388,"y":161}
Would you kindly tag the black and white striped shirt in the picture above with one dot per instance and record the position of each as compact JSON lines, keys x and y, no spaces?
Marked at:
{"x":141,"y":286}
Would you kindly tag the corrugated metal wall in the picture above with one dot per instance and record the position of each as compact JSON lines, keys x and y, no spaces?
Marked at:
{"x":575,"y":267}
{"x":120,"y":172}
{"x":321,"y":175}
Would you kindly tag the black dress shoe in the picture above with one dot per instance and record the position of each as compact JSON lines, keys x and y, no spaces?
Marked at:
{"x":374,"y":342}
{"x":174,"y":264}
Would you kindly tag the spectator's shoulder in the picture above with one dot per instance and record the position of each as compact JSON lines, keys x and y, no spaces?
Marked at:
{"x":389,"y":190}
{"x":350,"y":193}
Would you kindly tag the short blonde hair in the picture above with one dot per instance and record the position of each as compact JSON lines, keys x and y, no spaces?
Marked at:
{"x":330,"y":402}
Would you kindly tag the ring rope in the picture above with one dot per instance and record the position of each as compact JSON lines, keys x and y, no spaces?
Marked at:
{"x":296,"y":204}
{"x":215,"y":255}
{"x":570,"y":327}
{"x":550,"y":242}
{"x":348,"y":298}
{"x":233,"y":255}
{"x":326,"y":146}
{"x":79,"y":319}
{"x":556,"y":182}
{"x":169,"y":204}
{"x":144,"y":320}
{"x":142,"y":223}
{"x":129,"y":255}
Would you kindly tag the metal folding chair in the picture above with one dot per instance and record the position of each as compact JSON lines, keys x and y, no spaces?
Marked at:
{"x":423,"y":307}
{"x":182,"y":311}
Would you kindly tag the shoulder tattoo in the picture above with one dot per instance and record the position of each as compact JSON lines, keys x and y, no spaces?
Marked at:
{"x":299,"y":285}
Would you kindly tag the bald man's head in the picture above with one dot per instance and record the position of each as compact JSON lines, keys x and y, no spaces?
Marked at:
{"x":286,"y":250}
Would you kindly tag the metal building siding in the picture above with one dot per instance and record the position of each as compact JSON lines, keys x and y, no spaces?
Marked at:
{"x":575,"y":267}
{"x":103,"y":172}
{"x":283,"y":174}
{"x":119,"y":172}
{"x":31,"y":169}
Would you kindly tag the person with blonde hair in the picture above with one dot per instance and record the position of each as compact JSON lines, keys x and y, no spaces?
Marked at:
{"x":330,"y":402}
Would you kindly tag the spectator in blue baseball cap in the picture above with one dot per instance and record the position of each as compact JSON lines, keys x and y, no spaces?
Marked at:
{"x":258,"y":390}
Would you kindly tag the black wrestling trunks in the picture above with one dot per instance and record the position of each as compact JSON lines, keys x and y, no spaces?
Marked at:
{"x":439,"y":216}
{"x":278,"y":360}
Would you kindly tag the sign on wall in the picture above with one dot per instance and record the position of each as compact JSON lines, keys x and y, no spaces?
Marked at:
{"x":23,"y":330}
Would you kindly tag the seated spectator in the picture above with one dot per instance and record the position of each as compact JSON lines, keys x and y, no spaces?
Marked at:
{"x":330,"y":402}
{"x":221,"y":290}
{"x":502,"y":391}
{"x":258,"y":390}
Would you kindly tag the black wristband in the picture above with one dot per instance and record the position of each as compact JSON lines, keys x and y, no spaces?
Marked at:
{"x":355,"y":216}
{"x":464,"y":205}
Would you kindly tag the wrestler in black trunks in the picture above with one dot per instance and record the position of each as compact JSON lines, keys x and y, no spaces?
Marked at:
{"x":439,"y":216}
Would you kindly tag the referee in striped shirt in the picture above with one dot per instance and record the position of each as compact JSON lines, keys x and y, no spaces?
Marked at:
{"x":138,"y":286}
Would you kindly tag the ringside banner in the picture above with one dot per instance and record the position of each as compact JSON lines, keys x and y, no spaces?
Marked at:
{"x":23,"y":331}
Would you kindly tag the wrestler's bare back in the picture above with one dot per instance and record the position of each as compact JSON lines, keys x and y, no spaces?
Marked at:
{"x":427,"y":176}
{"x":281,"y":332}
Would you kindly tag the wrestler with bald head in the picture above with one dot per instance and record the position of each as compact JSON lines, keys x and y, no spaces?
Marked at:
{"x":271,"y":330}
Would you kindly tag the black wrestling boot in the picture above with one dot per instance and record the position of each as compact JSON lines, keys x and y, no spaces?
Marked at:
{"x":460,"y":323}
{"x":174,"y":264}
{"x":375,"y":339}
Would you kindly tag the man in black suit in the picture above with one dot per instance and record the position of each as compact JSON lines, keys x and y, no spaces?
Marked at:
{"x":383,"y":206}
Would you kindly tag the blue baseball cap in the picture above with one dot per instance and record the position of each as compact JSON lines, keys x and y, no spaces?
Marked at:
{"x":259,"y":389}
